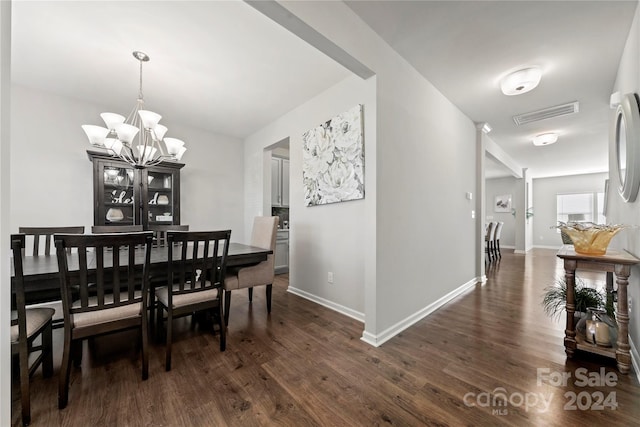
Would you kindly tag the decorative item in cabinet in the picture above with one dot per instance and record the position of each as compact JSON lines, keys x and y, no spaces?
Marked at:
{"x":125,"y":195}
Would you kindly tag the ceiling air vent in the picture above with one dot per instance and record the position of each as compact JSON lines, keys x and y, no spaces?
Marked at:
{"x":547,"y":113}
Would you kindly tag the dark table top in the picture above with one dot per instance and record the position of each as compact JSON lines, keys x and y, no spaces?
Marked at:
{"x":43,"y":269}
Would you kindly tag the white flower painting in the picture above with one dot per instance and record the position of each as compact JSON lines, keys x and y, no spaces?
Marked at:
{"x":333,"y":160}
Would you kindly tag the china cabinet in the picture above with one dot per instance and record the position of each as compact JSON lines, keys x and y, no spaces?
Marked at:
{"x":124,"y":195}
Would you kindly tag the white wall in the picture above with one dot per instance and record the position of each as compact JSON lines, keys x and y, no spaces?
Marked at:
{"x":5,"y":292}
{"x":425,"y":165}
{"x":545,"y":191}
{"x":51,"y":175}
{"x":498,"y":187}
{"x":327,"y":237}
{"x":627,"y":81}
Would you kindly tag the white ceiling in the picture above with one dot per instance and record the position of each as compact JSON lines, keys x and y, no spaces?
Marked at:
{"x":465,"y":47}
{"x":216,"y":65}
{"x":224,"y":67}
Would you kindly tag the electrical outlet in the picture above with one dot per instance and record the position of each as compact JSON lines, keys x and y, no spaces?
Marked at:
{"x":330,"y":277}
{"x":629,"y":304}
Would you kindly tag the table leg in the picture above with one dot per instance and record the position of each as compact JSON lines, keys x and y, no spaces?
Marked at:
{"x":623,"y":357}
{"x":570,"y":307}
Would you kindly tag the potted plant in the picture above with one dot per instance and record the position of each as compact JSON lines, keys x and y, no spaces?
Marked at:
{"x":555,"y":298}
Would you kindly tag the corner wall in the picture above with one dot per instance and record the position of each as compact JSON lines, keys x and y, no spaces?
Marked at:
{"x":325,"y":238}
{"x":496,"y":187}
{"x":425,"y":236}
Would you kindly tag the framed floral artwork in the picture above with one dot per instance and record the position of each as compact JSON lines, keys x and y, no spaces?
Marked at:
{"x":503,"y":203}
{"x":333,"y":160}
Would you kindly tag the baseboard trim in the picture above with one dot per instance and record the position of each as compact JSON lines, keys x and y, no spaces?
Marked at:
{"x":547,"y":247}
{"x":635,"y":359}
{"x":326,"y":303}
{"x":386,"y":335}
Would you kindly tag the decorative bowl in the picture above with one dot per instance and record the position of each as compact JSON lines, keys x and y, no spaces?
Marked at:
{"x":589,"y":238}
{"x":114,"y":215}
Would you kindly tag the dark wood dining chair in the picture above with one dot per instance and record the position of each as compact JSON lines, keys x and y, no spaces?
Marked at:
{"x":263,"y":235}
{"x":101,"y":229}
{"x":194,"y":279}
{"x":118,"y":275}
{"x":46,"y":233}
{"x":488,"y":238}
{"x":27,"y":324}
{"x":160,"y":232}
{"x":41,"y":246}
{"x":496,"y":239}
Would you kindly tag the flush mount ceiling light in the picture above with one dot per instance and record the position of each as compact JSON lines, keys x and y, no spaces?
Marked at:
{"x":521,"y":81}
{"x":545,"y":138}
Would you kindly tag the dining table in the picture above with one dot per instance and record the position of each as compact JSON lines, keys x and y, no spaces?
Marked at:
{"x":42,"y":283}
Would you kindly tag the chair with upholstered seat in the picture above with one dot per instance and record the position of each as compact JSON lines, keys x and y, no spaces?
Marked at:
{"x":38,"y":234}
{"x":27,"y":324}
{"x":194,"y":279}
{"x":488,"y":238}
{"x":263,"y":235}
{"x":40,"y":241}
{"x":496,"y":239}
{"x":112,"y":292}
{"x":160,"y":232}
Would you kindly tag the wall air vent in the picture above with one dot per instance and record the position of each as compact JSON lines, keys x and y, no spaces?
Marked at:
{"x":547,"y":113}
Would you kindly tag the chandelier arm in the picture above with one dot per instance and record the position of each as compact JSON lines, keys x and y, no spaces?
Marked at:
{"x":149,"y":147}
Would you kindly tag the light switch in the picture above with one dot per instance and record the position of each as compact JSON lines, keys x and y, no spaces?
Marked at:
{"x":469,"y":195}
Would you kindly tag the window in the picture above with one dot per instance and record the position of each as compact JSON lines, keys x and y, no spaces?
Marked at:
{"x":581,"y":207}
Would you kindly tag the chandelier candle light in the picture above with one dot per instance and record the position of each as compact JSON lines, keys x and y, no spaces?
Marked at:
{"x":118,"y":137}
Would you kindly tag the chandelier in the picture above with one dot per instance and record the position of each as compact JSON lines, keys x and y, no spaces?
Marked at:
{"x":119,"y":137}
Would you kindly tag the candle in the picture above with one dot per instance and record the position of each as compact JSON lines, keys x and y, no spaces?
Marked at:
{"x":602,"y":334}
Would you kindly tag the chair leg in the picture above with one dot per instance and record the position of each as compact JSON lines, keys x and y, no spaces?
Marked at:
{"x":498,"y":248}
{"x":65,"y":368}
{"x":158,"y":326}
{"x":250,"y":294}
{"x":167,"y":363}
{"x":152,"y":309}
{"x":269,"y":289}
{"x":24,"y":383}
{"x":223,"y":329}
{"x":145,"y":348}
{"x":76,"y":352}
{"x":227,"y":306}
{"x":47,"y":351}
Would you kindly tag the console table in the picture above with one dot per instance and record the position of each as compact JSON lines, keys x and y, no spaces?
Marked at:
{"x":618,"y":262}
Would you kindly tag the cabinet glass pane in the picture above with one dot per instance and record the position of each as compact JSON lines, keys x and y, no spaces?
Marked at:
{"x":118,"y":200}
{"x":160,"y":197}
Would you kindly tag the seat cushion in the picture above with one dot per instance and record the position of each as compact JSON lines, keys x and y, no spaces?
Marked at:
{"x":107,"y":315}
{"x":248,"y":277}
{"x":36,"y":318}
{"x":162,"y":294}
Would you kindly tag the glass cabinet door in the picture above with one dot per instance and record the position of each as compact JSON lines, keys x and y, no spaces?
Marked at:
{"x":161,"y":197}
{"x":118,"y":195}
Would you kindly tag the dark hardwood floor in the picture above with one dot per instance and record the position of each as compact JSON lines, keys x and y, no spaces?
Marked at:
{"x":306,"y":365}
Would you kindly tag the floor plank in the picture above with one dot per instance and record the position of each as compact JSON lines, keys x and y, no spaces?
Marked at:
{"x":305,"y":365}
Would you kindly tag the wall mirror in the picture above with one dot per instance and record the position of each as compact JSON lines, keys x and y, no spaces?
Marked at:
{"x":627,"y":142}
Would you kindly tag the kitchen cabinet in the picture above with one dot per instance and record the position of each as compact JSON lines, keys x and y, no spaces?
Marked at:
{"x":279,"y":182}
{"x":282,"y":252}
{"x":124,"y":195}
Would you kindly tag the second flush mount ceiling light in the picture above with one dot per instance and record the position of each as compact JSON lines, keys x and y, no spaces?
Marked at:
{"x":521,"y":81}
